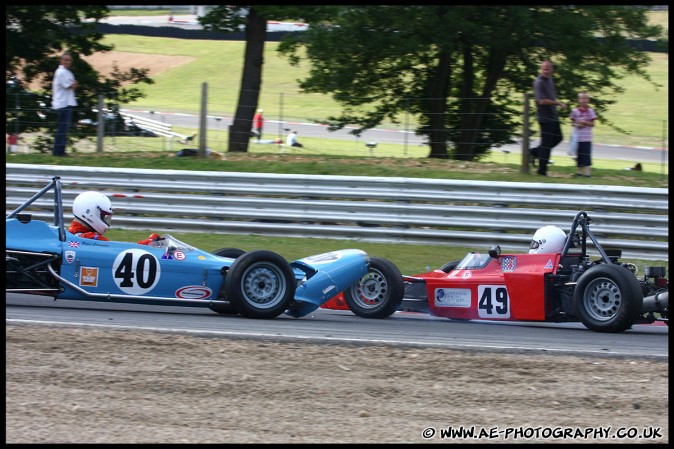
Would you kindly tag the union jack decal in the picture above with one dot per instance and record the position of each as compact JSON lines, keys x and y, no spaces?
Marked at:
{"x":508,"y":264}
{"x":74,"y":244}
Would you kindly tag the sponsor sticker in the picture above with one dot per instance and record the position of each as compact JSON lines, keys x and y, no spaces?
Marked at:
{"x":88,"y":276}
{"x":549,"y":264}
{"x":70,"y":256}
{"x":194,"y":292}
{"x":167,"y":256}
{"x":324,"y":258}
{"x":452,"y":297}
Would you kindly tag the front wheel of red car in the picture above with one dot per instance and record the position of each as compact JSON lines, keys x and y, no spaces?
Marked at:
{"x":608,"y":298}
{"x":260,"y":284}
{"x":379,"y":293}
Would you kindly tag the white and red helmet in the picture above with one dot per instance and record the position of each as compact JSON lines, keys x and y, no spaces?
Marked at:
{"x":94,"y":209}
{"x":548,"y":239}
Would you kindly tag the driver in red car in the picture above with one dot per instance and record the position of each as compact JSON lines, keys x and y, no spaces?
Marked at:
{"x":93,"y":217}
{"x":548,"y":239}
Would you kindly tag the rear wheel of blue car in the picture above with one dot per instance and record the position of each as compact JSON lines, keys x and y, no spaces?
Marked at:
{"x":379,"y":293}
{"x":232,"y":253}
{"x":260,"y":284}
{"x":228,"y":308}
{"x":608,"y":298}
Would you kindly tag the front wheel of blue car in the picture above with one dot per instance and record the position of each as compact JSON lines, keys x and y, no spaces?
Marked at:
{"x":260,"y":284}
{"x":379,"y":293}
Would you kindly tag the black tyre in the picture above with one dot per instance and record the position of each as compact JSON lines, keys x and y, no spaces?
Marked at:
{"x":260,"y":284}
{"x":379,"y":293}
{"x":232,"y":253}
{"x":449,"y":266}
{"x":608,"y":298}
{"x":224,"y":309}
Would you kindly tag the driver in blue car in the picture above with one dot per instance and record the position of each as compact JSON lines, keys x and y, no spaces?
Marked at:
{"x":93,"y":217}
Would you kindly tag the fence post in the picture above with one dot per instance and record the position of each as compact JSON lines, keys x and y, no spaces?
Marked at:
{"x":280,"y":122}
{"x":407,"y":122}
{"x":664,"y":148}
{"x":525,"y":136}
{"x":100,"y":129}
{"x":202,"y":120}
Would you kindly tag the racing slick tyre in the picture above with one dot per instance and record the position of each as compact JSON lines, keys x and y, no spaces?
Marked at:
{"x":232,"y":253}
{"x":260,"y":284}
{"x":224,"y":309}
{"x":608,"y":298}
{"x":449,"y":266}
{"x":379,"y":293}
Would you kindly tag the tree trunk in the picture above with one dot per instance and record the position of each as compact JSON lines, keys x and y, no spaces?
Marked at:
{"x":474,"y":106}
{"x":251,"y":82}
{"x":438,"y":91}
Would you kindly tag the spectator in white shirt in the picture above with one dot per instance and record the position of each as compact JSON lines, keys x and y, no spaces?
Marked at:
{"x":291,"y":141}
{"x":63,"y":101}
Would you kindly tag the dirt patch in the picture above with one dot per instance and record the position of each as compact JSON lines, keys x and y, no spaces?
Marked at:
{"x":104,"y":62}
{"x":71,"y":385}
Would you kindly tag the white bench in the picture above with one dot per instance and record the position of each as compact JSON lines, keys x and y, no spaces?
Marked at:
{"x":154,"y":126}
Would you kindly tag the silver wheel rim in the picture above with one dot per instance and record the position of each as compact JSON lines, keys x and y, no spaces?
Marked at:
{"x":370,"y":292}
{"x":263,"y":286}
{"x":602,"y":299}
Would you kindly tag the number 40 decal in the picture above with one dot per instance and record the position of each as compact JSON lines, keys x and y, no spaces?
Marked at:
{"x":493,"y":302}
{"x":136,"y":271}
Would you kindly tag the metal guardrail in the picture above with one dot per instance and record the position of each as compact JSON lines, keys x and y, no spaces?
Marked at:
{"x":475,"y":214}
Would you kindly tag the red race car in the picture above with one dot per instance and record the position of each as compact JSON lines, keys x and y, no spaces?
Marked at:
{"x":554,"y":282}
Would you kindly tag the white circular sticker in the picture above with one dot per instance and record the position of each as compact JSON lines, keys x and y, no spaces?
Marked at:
{"x":136,"y":271}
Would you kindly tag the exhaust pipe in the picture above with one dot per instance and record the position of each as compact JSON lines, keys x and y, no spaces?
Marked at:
{"x":656,"y":303}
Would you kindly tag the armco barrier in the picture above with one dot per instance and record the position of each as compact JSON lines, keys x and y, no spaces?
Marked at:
{"x":475,"y":214}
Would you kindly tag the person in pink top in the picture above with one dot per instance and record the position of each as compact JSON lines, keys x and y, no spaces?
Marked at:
{"x":583,"y":118}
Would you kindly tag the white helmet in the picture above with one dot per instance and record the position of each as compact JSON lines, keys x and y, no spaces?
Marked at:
{"x":93,"y":209}
{"x":548,"y":239}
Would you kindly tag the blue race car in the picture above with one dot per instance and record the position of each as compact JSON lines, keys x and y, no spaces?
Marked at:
{"x":46,"y":259}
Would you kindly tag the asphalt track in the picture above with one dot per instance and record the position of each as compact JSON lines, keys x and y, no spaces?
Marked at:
{"x":342,"y":327}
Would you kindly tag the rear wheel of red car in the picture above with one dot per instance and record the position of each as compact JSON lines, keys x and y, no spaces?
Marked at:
{"x":608,"y":298}
{"x":260,"y":284}
{"x":379,"y":293}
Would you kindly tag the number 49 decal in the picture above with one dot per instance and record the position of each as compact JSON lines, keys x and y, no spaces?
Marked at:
{"x":136,"y":271}
{"x":493,"y":301}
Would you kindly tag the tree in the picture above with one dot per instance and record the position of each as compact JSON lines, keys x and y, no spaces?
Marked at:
{"x":462,"y":70}
{"x":231,"y":18}
{"x":36,"y":37}
{"x":253,"y":19}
